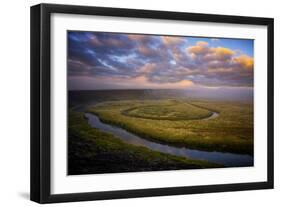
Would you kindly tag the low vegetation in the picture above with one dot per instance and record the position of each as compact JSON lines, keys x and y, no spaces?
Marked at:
{"x":168,"y":110}
{"x":92,"y":151}
{"x":181,"y":122}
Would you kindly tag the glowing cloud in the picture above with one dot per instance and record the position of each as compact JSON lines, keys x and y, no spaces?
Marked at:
{"x":113,"y":60}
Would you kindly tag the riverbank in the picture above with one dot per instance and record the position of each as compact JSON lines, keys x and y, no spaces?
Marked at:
{"x":91,"y":151}
{"x":179,"y":125}
{"x":226,"y":159}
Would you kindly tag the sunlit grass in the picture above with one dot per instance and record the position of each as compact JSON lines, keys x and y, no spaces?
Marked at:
{"x":179,"y":122}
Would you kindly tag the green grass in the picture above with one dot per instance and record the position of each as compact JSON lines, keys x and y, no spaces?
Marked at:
{"x":168,"y":110}
{"x":92,"y":151}
{"x":178,"y":122}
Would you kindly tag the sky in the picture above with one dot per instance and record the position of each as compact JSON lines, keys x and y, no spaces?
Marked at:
{"x":102,"y":60}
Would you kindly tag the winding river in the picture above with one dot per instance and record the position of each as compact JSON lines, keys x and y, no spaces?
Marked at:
{"x":227,"y":159}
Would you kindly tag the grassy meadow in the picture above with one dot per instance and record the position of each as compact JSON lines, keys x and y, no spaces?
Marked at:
{"x":92,"y":151}
{"x":165,"y":110}
{"x":182,"y":123}
{"x":159,"y":116}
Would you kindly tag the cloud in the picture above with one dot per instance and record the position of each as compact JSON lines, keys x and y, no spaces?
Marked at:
{"x":155,"y":61}
{"x":210,"y":53}
{"x":137,"y":37}
{"x":201,"y":48}
{"x":148,"y":68}
{"x":219,"y":53}
{"x":245,"y":61}
{"x":221,"y":66}
{"x":172,"y":40}
{"x":95,"y":41}
{"x":146,"y":51}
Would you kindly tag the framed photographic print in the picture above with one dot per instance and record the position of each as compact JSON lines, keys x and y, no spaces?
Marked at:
{"x":132,"y":103}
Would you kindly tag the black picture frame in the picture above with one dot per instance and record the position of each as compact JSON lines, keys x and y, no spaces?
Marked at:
{"x":41,"y":95}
